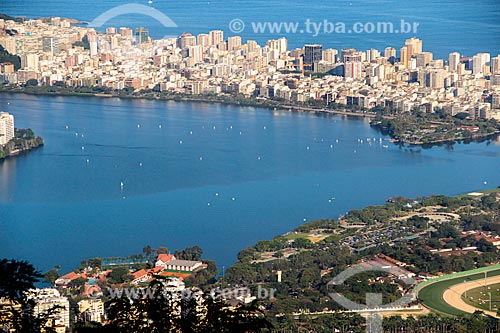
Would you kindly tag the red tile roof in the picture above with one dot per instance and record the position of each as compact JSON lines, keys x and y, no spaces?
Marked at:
{"x":166,"y":257}
{"x":139,"y":274}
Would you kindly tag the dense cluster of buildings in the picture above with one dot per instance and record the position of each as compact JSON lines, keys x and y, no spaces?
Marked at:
{"x":6,"y":127}
{"x":53,"y":50}
{"x":90,"y":306}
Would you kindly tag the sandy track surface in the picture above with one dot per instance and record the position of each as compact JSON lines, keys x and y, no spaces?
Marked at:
{"x":453,"y":295}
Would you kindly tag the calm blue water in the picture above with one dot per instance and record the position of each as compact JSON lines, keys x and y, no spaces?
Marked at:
{"x":57,"y":208}
{"x":445,"y":25}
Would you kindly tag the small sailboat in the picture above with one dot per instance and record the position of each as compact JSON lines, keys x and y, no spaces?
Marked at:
{"x":122,"y":185}
{"x":150,"y":1}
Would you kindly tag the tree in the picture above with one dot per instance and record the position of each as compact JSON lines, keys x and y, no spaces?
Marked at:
{"x":51,"y":276}
{"x":147,"y":250}
{"x":119,"y":275}
{"x":162,"y":250}
{"x":190,"y":253}
{"x":16,"y":278}
{"x":31,"y":83}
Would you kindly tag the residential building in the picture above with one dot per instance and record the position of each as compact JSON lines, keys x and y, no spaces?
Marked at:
{"x":91,"y":309}
{"x":6,"y":127}
{"x":47,"y":299}
{"x":312,"y":54}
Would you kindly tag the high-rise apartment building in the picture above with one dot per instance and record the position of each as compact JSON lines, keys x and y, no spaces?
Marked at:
{"x":216,"y":37}
{"x":390,"y":52}
{"x":353,"y":69}
{"x":233,"y":42}
{"x":203,"y":40}
{"x":126,"y":32}
{"x":423,"y":58}
{"x":280,"y":45}
{"x":142,"y":35}
{"x":412,"y":46}
{"x":453,"y":61}
{"x":46,"y":299}
{"x":495,"y":65}
{"x":50,"y":45}
{"x":91,"y":310}
{"x":6,"y":127}
{"x":330,"y":55}
{"x":312,"y":53}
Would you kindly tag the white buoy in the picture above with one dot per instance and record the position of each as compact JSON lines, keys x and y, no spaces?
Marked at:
{"x":88,"y":161}
{"x":67,"y":126}
{"x":233,"y":198}
{"x":190,"y":132}
{"x":140,"y":164}
{"x":216,"y":194}
{"x":258,"y":158}
{"x":159,"y":126}
{"x":83,"y":148}
{"x":201,"y":158}
{"x":180,"y":142}
{"x":307,"y":147}
{"x":208,"y":204}
{"x":331,"y":146}
{"x":138,"y":126}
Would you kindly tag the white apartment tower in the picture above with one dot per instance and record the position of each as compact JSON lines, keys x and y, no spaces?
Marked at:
{"x":453,"y":61}
{"x":6,"y":127}
{"x":216,"y":37}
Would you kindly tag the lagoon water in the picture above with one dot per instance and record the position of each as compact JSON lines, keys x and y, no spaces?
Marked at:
{"x":445,"y":26}
{"x":219,"y":176}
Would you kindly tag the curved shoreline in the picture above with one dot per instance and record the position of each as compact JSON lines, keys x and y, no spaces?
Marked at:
{"x":259,"y":103}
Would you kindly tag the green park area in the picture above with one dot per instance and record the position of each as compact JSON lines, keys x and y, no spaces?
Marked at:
{"x":480,"y":297}
{"x":430,"y":293}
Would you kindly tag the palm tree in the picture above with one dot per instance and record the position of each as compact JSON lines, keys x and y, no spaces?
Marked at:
{"x":16,"y":278}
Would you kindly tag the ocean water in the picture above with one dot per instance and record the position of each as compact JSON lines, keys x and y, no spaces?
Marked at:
{"x":445,"y":26}
{"x":222,"y":177}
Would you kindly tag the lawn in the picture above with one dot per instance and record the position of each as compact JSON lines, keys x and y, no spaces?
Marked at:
{"x":480,"y":298}
{"x":432,"y":295}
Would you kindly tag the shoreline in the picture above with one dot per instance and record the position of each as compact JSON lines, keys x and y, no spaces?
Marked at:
{"x":258,"y":103}
{"x":20,"y":145}
{"x":267,"y":104}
